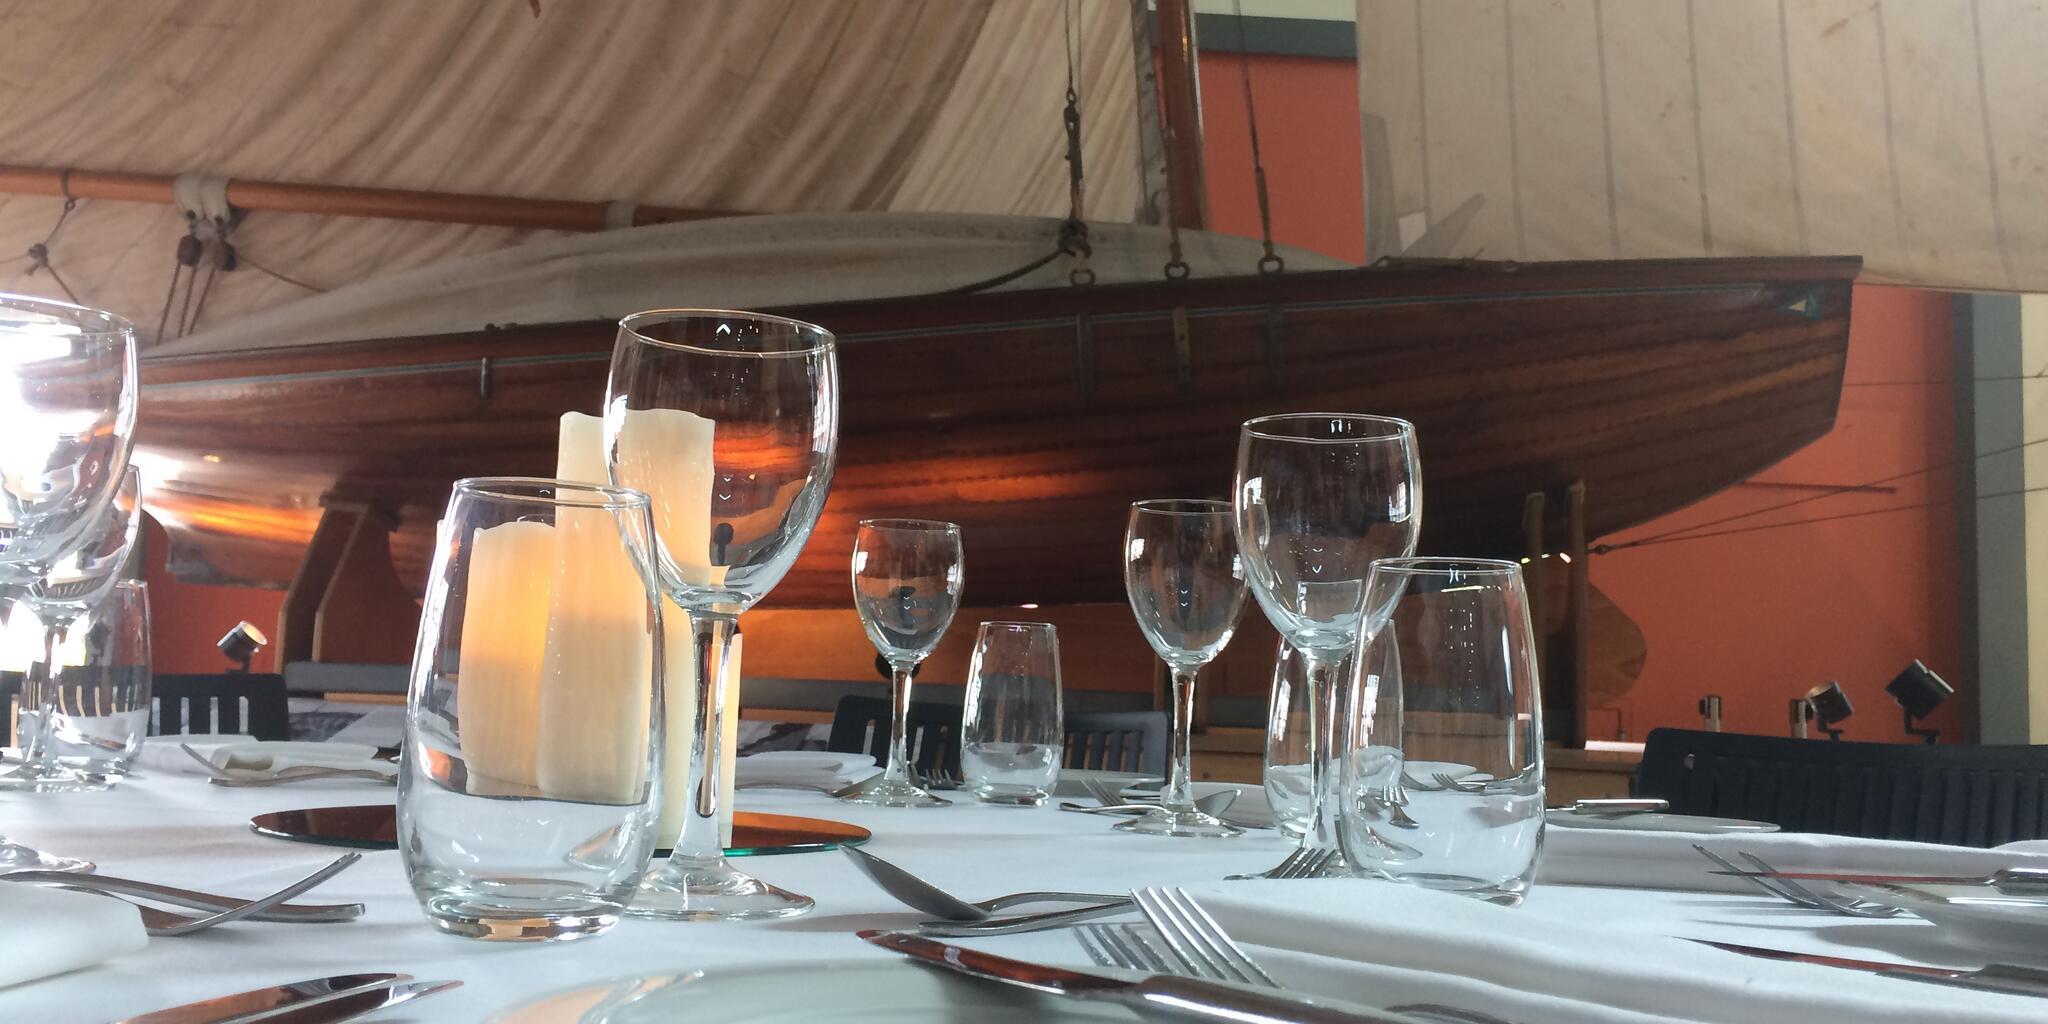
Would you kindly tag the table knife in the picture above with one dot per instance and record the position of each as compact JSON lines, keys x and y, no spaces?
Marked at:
{"x":350,"y":1005}
{"x":2008,"y":880}
{"x":263,"y":1000}
{"x":2011,"y":979}
{"x":1161,"y":995}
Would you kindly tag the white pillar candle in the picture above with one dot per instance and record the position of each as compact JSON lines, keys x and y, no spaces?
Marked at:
{"x":504,"y":631}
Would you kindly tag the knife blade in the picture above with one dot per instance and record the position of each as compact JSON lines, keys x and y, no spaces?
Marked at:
{"x":275,"y":997}
{"x":350,"y":1005}
{"x":2011,"y":979}
{"x":2008,"y":880}
{"x":1160,"y":995}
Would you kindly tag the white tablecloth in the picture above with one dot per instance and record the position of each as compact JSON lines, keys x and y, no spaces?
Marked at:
{"x":181,"y":831}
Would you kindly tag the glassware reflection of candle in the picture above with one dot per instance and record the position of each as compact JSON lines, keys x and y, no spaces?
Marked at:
{"x":504,"y":631}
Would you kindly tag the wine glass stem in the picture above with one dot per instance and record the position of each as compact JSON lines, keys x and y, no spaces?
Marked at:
{"x":37,"y":749}
{"x":1321,"y":670}
{"x":899,"y":735}
{"x":1177,"y":796}
{"x":699,"y":844}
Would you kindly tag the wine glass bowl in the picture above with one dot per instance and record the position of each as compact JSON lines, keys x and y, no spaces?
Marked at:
{"x":1186,"y":586}
{"x":907,"y":576}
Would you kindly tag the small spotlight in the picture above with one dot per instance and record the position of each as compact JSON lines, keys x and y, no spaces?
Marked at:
{"x":1830,"y":705}
{"x":213,"y":457}
{"x":241,"y":645}
{"x":1919,"y":691}
{"x":1710,"y":709}
{"x":1032,"y":607}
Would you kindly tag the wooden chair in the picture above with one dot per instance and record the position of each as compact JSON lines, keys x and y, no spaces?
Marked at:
{"x":1119,"y":741}
{"x":861,"y":725}
{"x":252,"y":703}
{"x":1954,"y":794}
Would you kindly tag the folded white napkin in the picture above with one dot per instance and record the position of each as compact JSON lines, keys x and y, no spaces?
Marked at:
{"x":241,"y":755}
{"x":1385,"y":944}
{"x":1667,"y":860}
{"x":50,"y":931}
{"x":802,"y":768}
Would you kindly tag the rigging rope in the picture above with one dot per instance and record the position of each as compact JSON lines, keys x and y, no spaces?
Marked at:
{"x":1601,"y":549}
{"x":39,"y":253}
{"x":1270,"y":263}
{"x":1074,"y":233}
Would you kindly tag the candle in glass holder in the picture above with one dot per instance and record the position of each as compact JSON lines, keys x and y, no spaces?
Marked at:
{"x":504,"y":632}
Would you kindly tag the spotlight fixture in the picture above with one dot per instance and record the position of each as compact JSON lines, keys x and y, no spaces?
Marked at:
{"x":1919,"y":691}
{"x":241,"y":645}
{"x":1830,"y":705}
{"x":1802,"y":713}
{"x":1710,"y":709}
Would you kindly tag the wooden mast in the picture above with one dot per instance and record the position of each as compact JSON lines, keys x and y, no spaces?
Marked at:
{"x":344,"y":201}
{"x":1180,"y":101}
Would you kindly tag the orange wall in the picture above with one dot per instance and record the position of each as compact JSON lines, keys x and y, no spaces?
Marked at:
{"x":187,"y":619}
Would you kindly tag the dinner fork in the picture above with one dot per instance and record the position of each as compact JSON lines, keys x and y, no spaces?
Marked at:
{"x":1302,"y":863}
{"x":1799,"y":895}
{"x":940,"y":779}
{"x":1449,"y":781}
{"x":1204,"y":950}
{"x":164,"y":923}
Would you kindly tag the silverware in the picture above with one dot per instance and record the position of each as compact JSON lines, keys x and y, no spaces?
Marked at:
{"x":1017,"y":924}
{"x":189,"y":898}
{"x":1213,"y":804}
{"x":263,"y":1000}
{"x":2012,"y":979}
{"x":1302,"y":863}
{"x":1799,"y":895}
{"x":1100,"y":790}
{"x":940,"y":780}
{"x":283,"y":776}
{"x":1161,"y":995}
{"x":1205,"y":950}
{"x":919,"y":894}
{"x":356,"y":1004}
{"x":1445,"y":780}
{"x":2012,"y":881}
{"x":1616,"y":806}
{"x":186,"y":926}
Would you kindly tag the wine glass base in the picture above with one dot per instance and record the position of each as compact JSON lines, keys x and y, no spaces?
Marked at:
{"x":16,"y":857}
{"x":29,"y":778}
{"x":713,"y":893}
{"x":1160,"y":821}
{"x":896,"y":793}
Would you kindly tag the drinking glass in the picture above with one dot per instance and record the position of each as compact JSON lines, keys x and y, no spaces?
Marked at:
{"x":67,"y":417}
{"x":730,"y":422}
{"x":530,"y":791}
{"x":1288,"y":779}
{"x":1447,"y":792}
{"x":1186,"y":586}
{"x":1317,"y":499}
{"x":1012,"y":733}
{"x":907,"y":576}
{"x":80,"y":581}
{"x":95,"y":711}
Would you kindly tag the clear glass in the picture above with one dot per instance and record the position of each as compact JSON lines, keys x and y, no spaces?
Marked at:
{"x":1289,"y":779}
{"x":1318,"y":497}
{"x":907,"y":575}
{"x":67,"y":420}
{"x":531,"y":788}
{"x":1467,"y":697}
{"x":1186,"y":587}
{"x":730,"y":422}
{"x":92,"y":719}
{"x":1012,"y":734}
{"x":78,"y":582}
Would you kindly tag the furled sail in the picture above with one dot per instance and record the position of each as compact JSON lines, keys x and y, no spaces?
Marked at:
{"x":1912,"y":133}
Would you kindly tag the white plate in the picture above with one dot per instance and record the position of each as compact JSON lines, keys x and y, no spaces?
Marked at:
{"x":1972,"y":915}
{"x":1654,"y":822}
{"x":854,"y":991}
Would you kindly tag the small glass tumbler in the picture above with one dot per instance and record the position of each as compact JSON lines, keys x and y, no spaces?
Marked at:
{"x":1442,"y":771}
{"x":530,"y":796}
{"x":1012,"y":738}
{"x":98,"y":702}
{"x":1290,"y":781}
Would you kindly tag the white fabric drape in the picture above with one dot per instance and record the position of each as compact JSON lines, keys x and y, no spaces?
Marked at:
{"x":1914,"y":134}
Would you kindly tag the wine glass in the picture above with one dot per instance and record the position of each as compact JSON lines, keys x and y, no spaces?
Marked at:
{"x":729,"y":422}
{"x":79,"y":582}
{"x":1464,"y":703}
{"x":1186,"y":586}
{"x":1317,"y":499}
{"x":907,"y":575}
{"x":67,"y":418}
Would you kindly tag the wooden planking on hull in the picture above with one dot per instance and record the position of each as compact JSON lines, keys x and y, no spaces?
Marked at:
{"x":1034,"y":418}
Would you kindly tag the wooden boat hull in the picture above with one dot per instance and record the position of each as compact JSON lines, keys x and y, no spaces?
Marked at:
{"x":1034,"y":418}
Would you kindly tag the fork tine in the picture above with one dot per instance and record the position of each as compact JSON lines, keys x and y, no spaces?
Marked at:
{"x":1179,"y":941}
{"x":1144,"y":951}
{"x":1801,"y":892}
{"x":1761,"y":883}
{"x":1219,"y":940}
{"x":1123,"y":949}
{"x":1827,"y":900}
{"x":1092,"y":945}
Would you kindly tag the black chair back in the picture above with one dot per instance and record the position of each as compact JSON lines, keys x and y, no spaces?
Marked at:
{"x":1955,"y":794}
{"x":861,"y":725}
{"x":252,"y":703}
{"x":10,"y":696}
{"x":1119,"y":741}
